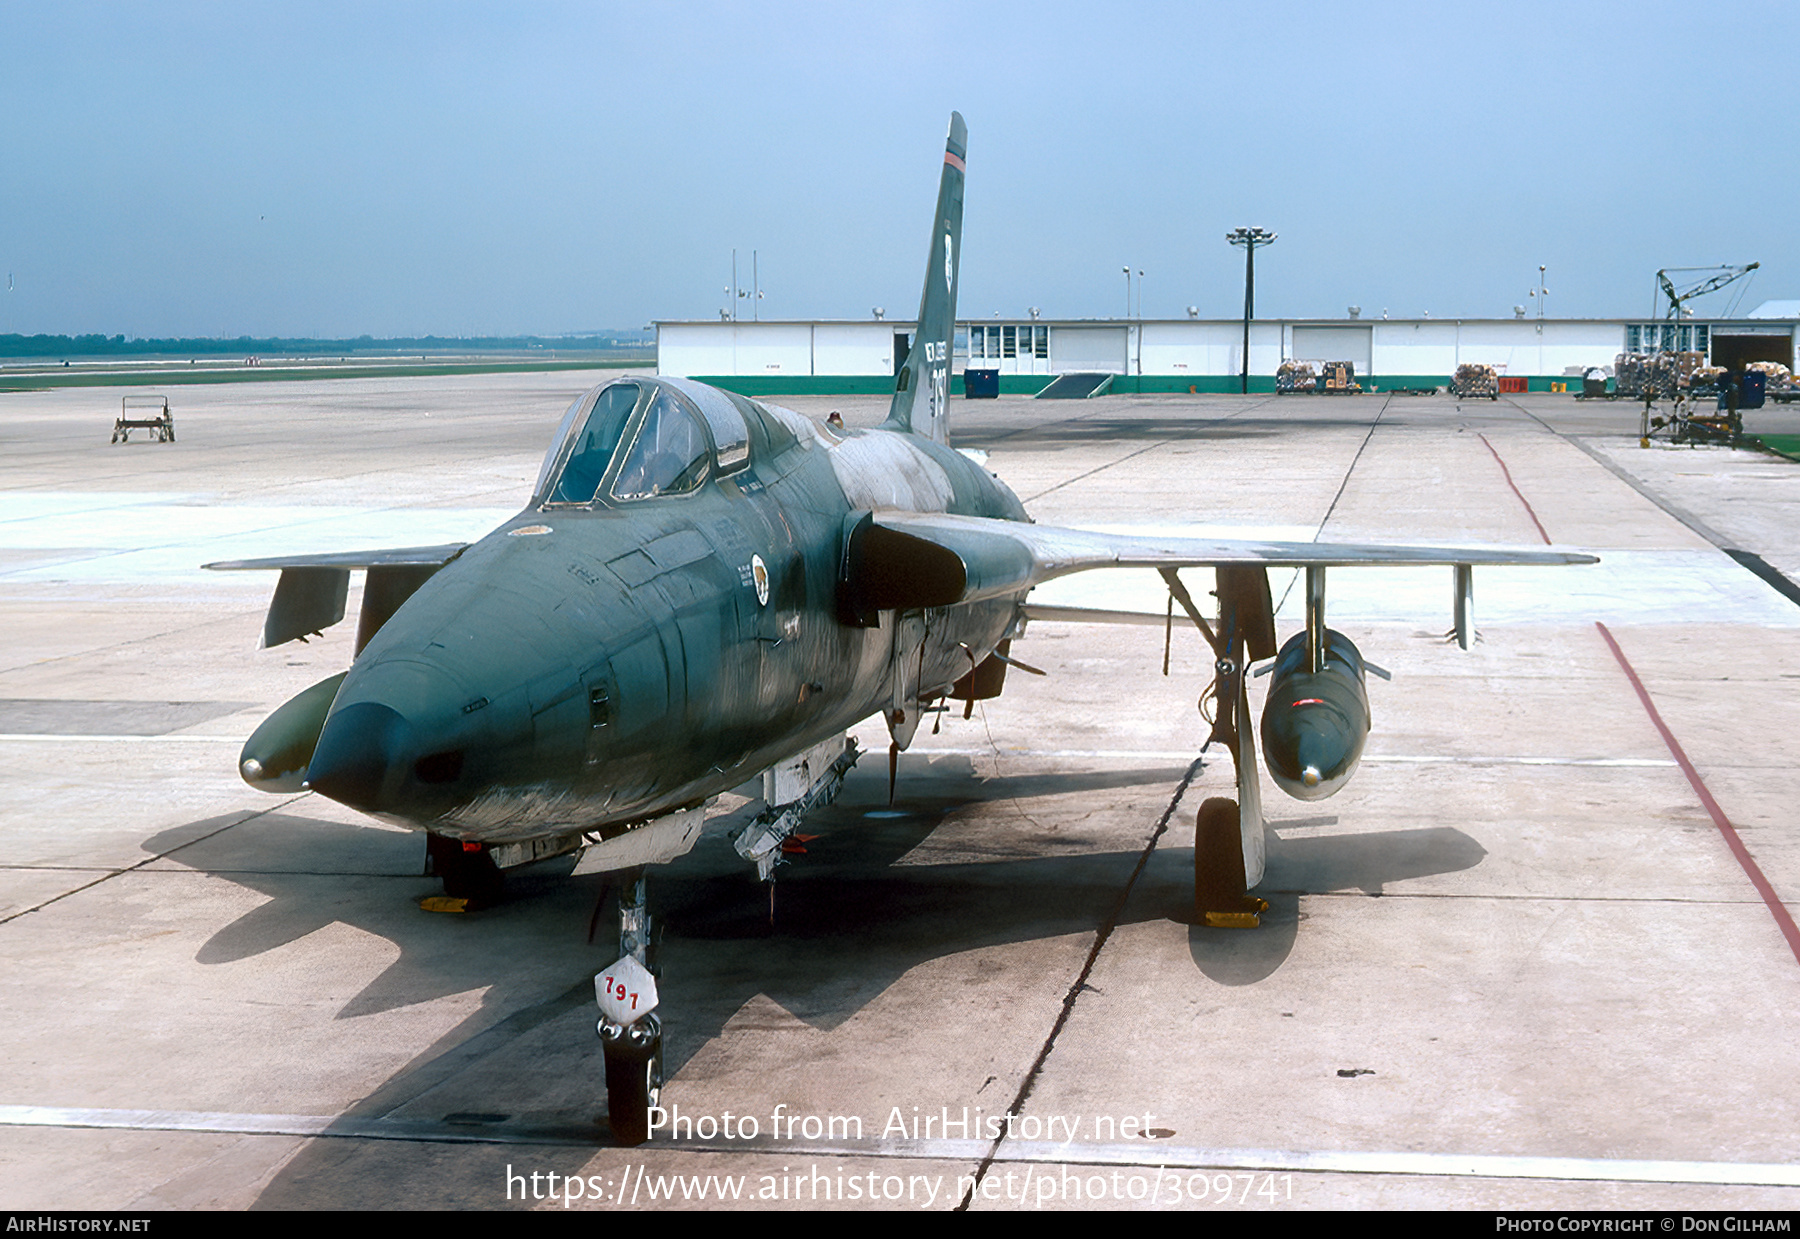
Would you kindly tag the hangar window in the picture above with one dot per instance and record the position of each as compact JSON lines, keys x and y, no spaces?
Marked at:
{"x":1667,"y":338}
{"x":669,"y":455}
{"x":994,"y":343}
{"x":591,"y":444}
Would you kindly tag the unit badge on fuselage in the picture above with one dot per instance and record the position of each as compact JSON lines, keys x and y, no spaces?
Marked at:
{"x":759,"y":576}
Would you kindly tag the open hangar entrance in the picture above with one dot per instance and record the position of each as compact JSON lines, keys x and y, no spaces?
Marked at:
{"x":1735,"y":347}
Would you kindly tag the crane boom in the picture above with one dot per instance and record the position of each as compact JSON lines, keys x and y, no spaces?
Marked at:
{"x":1722,"y":275}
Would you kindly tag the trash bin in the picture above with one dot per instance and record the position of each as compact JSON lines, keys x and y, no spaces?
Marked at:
{"x":981,"y":384}
{"x":1750,"y":390}
{"x":1593,"y":383}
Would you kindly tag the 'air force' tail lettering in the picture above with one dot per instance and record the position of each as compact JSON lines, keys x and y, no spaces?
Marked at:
{"x":927,"y":369}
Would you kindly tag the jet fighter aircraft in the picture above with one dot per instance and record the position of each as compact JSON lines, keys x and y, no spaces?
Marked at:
{"x":703,"y":589}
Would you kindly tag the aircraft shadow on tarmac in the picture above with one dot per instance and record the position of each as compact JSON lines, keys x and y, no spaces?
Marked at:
{"x":849,"y":921}
{"x":864,"y":919}
{"x":1312,"y":865}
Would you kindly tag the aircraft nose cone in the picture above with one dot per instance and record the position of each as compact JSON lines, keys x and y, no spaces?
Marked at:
{"x":355,"y":762}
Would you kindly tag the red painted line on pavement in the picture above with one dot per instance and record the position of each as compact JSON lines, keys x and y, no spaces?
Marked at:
{"x":1529,"y":510}
{"x":1783,"y":920}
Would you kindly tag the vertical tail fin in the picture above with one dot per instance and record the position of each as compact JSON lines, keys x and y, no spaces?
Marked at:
{"x":922,"y":392}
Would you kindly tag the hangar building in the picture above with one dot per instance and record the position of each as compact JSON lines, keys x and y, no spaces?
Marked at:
{"x":1163,"y":355}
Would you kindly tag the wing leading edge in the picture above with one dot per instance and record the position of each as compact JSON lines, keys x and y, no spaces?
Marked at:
{"x":1004,"y":556}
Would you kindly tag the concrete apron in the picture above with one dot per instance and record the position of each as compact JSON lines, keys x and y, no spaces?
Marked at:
{"x":1516,"y":964}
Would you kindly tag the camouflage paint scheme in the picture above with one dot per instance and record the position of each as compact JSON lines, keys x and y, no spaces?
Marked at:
{"x":593,"y":664}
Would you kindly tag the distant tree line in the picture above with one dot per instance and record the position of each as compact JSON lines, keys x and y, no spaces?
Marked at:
{"x":119,"y":346}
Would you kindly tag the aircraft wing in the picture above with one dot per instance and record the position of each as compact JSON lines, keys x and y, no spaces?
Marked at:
{"x":1000,"y":557}
{"x":310,"y":594}
{"x":401,"y":556}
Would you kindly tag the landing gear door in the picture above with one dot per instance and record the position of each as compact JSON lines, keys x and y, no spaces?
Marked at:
{"x":909,"y":647}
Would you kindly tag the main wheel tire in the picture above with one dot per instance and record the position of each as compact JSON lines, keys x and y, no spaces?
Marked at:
{"x":1218,"y":858}
{"x":466,"y":875}
{"x":633,"y":1086}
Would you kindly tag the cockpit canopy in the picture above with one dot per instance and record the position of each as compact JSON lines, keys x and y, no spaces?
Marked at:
{"x":642,"y":438}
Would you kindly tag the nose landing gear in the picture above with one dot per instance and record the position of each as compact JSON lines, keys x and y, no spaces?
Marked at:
{"x":630,"y":1032}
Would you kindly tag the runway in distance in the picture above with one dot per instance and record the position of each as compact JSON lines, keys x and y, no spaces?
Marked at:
{"x":703,"y":589}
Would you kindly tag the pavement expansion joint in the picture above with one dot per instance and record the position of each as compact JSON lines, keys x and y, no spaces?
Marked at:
{"x":108,"y":874}
{"x":1080,"y":983}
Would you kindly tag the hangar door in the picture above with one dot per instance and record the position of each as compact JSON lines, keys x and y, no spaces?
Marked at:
{"x":1098,"y":349}
{"x":1349,"y":344}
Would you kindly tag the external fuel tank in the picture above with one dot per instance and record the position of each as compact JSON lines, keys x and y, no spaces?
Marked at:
{"x":1314,"y":723}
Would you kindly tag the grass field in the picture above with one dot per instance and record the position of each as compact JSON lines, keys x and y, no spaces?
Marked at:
{"x":1787,"y":445}
{"x":36,"y":379}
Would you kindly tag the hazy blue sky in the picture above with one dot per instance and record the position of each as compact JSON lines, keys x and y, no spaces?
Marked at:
{"x":392,"y":168}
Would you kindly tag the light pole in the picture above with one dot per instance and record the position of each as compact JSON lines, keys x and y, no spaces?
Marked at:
{"x":1249,"y":239}
{"x":1140,"y":327}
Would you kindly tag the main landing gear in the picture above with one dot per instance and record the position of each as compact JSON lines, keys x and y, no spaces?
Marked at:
{"x":1228,"y":834}
{"x":472,"y":880}
{"x":1221,"y":898}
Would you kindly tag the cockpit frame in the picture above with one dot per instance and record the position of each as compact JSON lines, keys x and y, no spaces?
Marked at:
{"x":707,"y":421}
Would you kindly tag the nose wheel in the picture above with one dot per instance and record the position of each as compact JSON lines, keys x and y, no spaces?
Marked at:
{"x":633,"y":1077}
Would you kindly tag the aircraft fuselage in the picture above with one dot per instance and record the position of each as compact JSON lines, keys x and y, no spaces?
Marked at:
{"x":588,"y":665}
